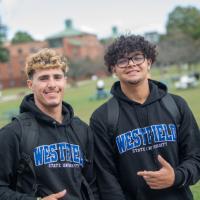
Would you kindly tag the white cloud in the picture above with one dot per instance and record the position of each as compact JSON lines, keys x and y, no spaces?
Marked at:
{"x":8,"y":5}
{"x":45,"y":17}
{"x":87,"y":29}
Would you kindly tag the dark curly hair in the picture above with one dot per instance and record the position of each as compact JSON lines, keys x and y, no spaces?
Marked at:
{"x":126,"y":44}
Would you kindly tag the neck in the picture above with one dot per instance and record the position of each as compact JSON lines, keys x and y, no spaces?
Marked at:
{"x":54,"y":112}
{"x":136,"y":92}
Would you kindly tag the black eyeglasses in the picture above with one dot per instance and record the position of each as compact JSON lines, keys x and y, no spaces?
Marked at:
{"x":136,"y":59}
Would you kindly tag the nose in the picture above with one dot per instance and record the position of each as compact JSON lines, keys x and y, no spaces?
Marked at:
{"x":51,"y":83}
{"x":130,"y":62}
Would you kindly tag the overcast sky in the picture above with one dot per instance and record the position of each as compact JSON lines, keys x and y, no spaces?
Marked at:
{"x":42,"y":18}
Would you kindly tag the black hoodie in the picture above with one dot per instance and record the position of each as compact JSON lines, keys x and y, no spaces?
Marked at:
{"x":63,"y":152}
{"x":144,"y":131}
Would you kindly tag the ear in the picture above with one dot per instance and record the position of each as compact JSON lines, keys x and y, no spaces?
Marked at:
{"x":29,"y":83}
{"x":66,"y":81}
{"x":149,"y":62}
{"x":113,"y":69}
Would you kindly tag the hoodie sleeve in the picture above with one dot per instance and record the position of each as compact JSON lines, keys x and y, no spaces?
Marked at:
{"x":89,"y":171}
{"x":10,"y":156}
{"x":188,"y":171}
{"x":107,"y":178}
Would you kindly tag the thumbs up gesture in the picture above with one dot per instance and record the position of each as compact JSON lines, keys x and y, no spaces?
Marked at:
{"x":160,"y":179}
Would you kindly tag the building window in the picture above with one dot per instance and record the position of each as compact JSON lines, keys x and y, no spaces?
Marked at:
{"x":10,"y":69}
{"x":23,"y":77}
{"x":33,"y":50}
{"x":11,"y":82}
{"x":55,"y":43}
{"x":21,"y":63}
{"x":75,"y":51}
{"x":19,"y":51}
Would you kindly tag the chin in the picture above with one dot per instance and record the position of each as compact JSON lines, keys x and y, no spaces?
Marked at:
{"x":133,"y":82}
{"x":53,"y":104}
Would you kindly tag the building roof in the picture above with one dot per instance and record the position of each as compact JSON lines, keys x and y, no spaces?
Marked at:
{"x":67,"y":32}
{"x":75,"y":42}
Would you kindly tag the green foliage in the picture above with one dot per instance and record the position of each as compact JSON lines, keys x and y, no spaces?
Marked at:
{"x":185,"y":20}
{"x":178,"y":49}
{"x":196,"y":191}
{"x":4,"y":55}
{"x":21,"y":37}
{"x":181,"y":44}
{"x":85,"y":67}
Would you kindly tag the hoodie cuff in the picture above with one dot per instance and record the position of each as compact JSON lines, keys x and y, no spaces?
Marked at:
{"x":179,"y":178}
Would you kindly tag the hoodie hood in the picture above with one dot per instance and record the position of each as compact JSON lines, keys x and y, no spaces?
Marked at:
{"x":28,"y":105}
{"x":158,"y":90}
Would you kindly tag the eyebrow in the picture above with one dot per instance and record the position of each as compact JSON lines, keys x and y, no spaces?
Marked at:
{"x":47,"y":76}
{"x":43,"y":76}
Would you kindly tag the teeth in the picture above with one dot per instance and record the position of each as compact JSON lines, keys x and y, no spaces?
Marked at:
{"x":51,"y":92}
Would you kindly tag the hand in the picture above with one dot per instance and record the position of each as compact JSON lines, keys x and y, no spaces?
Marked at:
{"x":55,"y":196}
{"x":160,"y":179}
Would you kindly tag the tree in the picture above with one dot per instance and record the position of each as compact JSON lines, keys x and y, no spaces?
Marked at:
{"x":84,"y":68}
{"x":177,"y":49}
{"x":181,"y":43}
{"x":4,"y":53}
{"x":21,"y":37}
{"x":185,"y":20}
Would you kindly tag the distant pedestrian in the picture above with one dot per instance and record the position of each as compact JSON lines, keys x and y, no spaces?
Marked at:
{"x":101,"y":93}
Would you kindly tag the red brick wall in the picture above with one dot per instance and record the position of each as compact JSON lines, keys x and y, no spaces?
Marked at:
{"x":12,"y":73}
{"x":89,"y":47}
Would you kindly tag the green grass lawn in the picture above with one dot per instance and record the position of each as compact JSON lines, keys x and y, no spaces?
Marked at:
{"x":79,"y":97}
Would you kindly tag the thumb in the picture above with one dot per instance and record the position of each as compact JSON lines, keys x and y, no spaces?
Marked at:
{"x":163,"y":162}
{"x":60,"y":194}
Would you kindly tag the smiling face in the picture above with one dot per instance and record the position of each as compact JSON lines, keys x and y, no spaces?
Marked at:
{"x":48,"y":87}
{"x":133,"y":73}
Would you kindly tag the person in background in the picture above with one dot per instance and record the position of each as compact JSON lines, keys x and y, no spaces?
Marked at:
{"x":100,"y":87}
{"x":148,"y":155}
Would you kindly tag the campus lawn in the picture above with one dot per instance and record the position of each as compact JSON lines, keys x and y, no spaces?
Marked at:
{"x":80,"y":98}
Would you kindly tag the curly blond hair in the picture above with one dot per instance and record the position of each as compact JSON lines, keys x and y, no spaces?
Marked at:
{"x":45,"y":59}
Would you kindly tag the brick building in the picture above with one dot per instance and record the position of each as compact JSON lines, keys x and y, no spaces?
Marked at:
{"x":75,"y":43}
{"x":12,"y":73}
{"x":70,"y":42}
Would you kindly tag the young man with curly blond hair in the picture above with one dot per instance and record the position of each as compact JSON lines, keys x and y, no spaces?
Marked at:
{"x":153,"y":152}
{"x":58,"y":164}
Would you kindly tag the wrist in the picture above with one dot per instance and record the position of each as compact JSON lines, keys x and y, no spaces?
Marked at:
{"x":179,"y":178}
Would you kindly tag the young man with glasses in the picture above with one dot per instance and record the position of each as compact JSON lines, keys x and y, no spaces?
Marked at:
{"x":149,"y":154}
